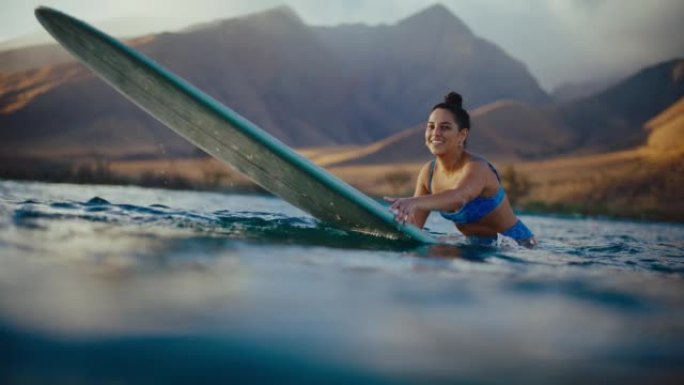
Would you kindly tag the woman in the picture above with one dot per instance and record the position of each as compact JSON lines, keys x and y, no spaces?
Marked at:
{"x":464,"y":187}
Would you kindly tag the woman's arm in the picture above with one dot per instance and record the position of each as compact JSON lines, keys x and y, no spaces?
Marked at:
{"x":468,"y":187}
{"x":420,"y":216}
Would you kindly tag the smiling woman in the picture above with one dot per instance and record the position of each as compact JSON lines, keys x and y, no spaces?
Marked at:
{"x":465,"y":188}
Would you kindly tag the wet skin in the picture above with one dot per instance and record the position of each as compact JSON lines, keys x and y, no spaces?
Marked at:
{"x":458,"y":178}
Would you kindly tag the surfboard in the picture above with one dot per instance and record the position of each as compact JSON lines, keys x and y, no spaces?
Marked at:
{"x":223,"y":133}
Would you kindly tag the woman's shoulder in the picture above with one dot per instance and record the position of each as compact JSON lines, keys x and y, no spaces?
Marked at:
{"x":480,"y":164}
{"x":425,"y":169}
{"x":427,"y":165}
{"x":473,"y":157}
{"x":477,"y":162}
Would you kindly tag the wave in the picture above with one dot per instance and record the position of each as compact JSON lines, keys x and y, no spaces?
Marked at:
{"x":242,"y":225}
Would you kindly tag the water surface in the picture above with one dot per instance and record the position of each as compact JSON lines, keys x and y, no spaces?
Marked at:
{"x":103,"y":284}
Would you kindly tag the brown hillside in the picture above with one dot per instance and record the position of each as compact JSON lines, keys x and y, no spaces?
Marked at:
{"x":404,"y":146}
{"x":28,"y":73}
{"x":504,"y":131}
{"x":666,"y":130}
{"x":28,"y":58}
{"x":18,"y":60}
{"x":20,"y":89}
{"x":632,"y":183}
{"x":509,"y":130}
{"x":614,"y":119}
{"x":296,"y":81}
{"x":643,"y":182}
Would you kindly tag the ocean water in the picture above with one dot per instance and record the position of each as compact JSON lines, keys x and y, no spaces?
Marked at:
{"x":109,"y":285}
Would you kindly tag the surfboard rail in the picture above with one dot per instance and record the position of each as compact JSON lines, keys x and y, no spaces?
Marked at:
{"x":222,"y":132}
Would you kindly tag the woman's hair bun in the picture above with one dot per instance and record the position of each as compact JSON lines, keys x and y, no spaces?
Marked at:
{"x":454,"y":99}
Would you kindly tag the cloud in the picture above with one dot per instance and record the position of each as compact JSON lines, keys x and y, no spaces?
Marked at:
{"x":559,"y":40}
{"x":621,"y":35}
{"x":571,"y":40}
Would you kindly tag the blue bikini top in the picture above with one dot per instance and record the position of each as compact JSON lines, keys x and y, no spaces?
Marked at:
{"x":477,"y":208}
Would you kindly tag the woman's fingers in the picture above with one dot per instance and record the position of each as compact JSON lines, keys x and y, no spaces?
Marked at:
{"x":397,"y":206}
{"x":399,"y":215}
{"x":402,"y":209}
{"x":408,"y":218}
{"x":396,"y":203}
{"x":403,"y":215}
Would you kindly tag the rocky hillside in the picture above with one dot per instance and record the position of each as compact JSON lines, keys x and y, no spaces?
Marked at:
{"x":616,"y":119}
{"x":308,"y":86}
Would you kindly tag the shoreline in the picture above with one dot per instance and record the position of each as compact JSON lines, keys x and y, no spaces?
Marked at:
{"x":638,"y":184}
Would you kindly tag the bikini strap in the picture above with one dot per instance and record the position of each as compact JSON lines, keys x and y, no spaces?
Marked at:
{"x":495,"y":172}
{"x":432,"y":172}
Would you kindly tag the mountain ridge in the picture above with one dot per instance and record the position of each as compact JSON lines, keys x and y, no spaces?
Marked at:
{"x":510,"y":131}
{"x":324,"y":86}
{"x":283,"y":75}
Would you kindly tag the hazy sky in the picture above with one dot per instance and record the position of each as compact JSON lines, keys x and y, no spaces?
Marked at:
{"x":559,"y":40}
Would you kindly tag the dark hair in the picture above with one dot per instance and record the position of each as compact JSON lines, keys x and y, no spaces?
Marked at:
{"x":454,"y":103}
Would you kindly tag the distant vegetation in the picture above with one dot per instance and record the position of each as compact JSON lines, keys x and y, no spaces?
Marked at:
{"x":399,"y":182}
{"x":517,"y":185}
{"x":101,"y":171}
{"x":348,"y":102}
{"x":626,"y":185}
{"x":631,"y":184}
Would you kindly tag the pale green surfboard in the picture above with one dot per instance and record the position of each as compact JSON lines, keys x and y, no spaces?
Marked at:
{"x":223,"y":133}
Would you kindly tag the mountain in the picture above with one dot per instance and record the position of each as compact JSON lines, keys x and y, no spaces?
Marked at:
{"x":506,"y":130}
{"x":408,"y":67}
{"x":502,"y":131}
{"x":273,"y":70}
{"x":308,"y":86}
{"x":666,"y":130}
{"x":17,"y":60}
{"x":577,"y":90}
{"x":614,"y":119}
{"x":124,"y":27}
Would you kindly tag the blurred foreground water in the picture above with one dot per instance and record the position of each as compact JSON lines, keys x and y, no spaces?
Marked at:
{"x":102,"y":284}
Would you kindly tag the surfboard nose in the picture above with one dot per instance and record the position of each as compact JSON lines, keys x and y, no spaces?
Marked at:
{"x":44,"y":13}
{"x":62,"y":27}
{"x":48,"y":18}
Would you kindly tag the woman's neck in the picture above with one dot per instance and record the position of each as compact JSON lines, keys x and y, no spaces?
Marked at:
{"x":453,"y":161}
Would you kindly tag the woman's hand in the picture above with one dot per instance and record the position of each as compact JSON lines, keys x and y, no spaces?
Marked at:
{"x":404,"y":209}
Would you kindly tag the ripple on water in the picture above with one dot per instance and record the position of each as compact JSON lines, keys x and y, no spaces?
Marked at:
{"x":93,"y":260}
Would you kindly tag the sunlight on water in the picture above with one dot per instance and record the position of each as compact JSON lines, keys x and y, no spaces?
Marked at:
{"x":198,"y":279}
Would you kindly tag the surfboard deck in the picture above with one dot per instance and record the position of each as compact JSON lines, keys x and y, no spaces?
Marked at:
{"x":223,"y":133}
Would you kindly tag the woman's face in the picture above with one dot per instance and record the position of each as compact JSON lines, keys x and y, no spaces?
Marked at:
{"x":442,"y":134}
